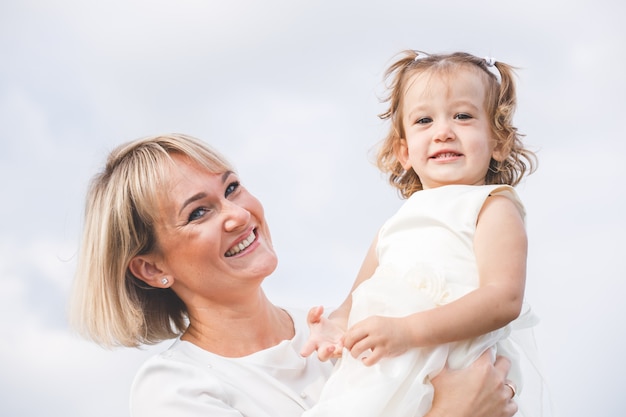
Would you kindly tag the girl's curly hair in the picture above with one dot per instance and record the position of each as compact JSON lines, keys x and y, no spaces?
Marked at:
{"x":500,"y":106}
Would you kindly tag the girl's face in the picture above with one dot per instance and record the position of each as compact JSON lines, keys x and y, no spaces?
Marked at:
{"x":212,"y":238}
{"x":448,"y":136}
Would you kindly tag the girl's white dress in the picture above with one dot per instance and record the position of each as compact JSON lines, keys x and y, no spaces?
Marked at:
{"x":426,"y":259}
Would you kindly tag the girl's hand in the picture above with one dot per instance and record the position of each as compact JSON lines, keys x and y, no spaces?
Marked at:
{"x":377,"y":337}
{"x":326,"y":337}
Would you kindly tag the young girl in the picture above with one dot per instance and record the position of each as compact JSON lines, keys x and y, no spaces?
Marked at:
{"x":444,"y":279}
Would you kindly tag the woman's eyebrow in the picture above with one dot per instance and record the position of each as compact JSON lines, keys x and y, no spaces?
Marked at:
{"x":225,"y":175}
{"x":191,"y":199}
{"x":202,"y":194}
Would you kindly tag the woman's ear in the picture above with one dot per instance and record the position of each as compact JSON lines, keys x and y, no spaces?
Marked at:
{"x":144,"y":268}
{"x":401,"y":149}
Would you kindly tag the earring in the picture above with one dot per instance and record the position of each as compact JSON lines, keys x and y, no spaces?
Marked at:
{"x":165,"y":281}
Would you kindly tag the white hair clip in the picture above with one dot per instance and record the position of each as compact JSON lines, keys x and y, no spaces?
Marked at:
{"x":491,"y":66}
{"x":490,"y":61}
{"x":419,"y":55}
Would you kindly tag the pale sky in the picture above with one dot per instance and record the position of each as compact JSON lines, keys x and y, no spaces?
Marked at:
{"x":289,"y":91}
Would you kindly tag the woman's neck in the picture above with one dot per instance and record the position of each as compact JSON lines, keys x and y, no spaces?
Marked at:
{"x":236,"y":330}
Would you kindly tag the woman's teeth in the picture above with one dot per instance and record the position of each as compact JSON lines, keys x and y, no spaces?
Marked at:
{"x":242,"y":245}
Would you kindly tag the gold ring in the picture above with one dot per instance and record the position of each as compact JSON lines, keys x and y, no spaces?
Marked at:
{"x":513,"y":390}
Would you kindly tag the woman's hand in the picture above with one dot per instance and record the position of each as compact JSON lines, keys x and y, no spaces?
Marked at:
{"x":326,"y":336}
{"x":478,"y":390}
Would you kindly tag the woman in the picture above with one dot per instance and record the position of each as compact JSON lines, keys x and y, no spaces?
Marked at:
{"x":175,"y":247}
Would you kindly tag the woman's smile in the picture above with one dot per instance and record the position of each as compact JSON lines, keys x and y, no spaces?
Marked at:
{"x":244,"y":244}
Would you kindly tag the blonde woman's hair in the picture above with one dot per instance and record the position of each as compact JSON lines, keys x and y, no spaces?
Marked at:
{"x":109,"y":305}
{"x":501,"y":102}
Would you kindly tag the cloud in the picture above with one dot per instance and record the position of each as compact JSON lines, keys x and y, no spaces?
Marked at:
{"x":289,"y":91}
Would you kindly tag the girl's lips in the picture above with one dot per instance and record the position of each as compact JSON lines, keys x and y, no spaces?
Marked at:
{"x":444,"y":155}
{"x":241,"y":245}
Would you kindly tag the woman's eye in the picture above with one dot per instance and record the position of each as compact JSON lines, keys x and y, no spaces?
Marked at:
{"x":231,"y":188}
{"x":463,"y":116}
{"x":197,"y":214}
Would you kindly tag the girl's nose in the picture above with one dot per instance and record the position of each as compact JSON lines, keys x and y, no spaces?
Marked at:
{"x":443,"y":132}
{"x":235,"y":216}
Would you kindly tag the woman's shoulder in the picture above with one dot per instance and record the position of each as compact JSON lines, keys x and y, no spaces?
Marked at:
{"x":176,"y":365}
{"x":168,"y":382}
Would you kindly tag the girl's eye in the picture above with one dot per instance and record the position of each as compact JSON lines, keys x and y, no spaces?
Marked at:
{"x":423,"y":120}
{"x":231,"y":188}
{"x":463,"y":116}
{"x":197,"y":214}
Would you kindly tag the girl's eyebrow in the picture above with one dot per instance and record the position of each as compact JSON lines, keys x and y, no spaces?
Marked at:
{"x":465,"y":102}
{"x":201,"y":194}
{"x":419,"y":108}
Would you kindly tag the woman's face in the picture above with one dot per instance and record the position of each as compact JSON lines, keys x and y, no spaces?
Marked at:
{"x":212,"y":237}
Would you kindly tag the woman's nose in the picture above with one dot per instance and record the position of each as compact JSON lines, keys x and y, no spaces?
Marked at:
{"x":235,"y":216}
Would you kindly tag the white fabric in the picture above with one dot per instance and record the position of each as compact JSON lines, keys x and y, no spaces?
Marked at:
{"x":187,"y":381}
{"x":426,"y":259}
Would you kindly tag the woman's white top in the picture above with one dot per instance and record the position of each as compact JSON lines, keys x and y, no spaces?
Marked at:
{"x":187,"y":381}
